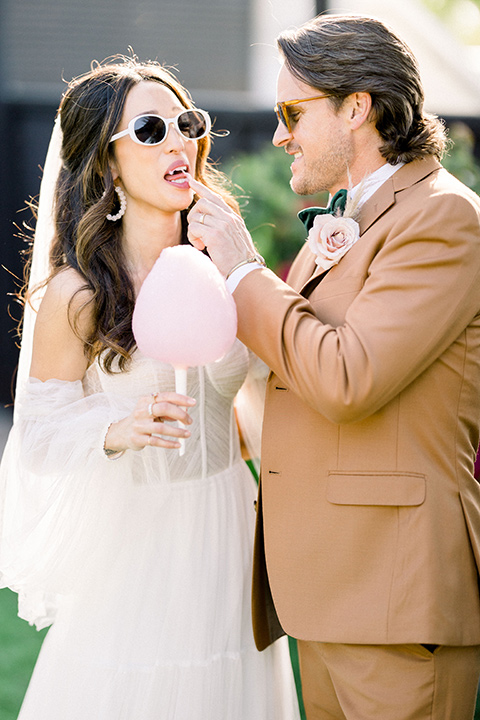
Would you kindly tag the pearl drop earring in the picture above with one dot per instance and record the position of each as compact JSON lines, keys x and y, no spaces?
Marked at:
{"x":123,"y":205}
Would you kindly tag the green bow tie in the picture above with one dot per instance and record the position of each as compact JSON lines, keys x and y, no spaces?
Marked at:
{"x":336,"y":206}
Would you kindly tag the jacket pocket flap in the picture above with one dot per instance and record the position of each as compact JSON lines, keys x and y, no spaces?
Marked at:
{"x":376,"y":488}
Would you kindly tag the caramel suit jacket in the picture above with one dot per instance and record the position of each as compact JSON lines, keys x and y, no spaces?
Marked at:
{"x":368,"y":525}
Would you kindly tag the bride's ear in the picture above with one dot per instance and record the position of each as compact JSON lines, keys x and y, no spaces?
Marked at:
{"x":113,"y":169}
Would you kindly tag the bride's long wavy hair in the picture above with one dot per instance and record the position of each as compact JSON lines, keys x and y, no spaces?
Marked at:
{"x":90,"y":111}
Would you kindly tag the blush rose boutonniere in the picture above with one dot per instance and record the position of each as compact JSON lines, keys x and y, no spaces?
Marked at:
{"x":330,"y":237}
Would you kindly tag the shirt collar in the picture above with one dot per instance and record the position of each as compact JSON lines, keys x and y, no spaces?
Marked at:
{"x":372,"y":182}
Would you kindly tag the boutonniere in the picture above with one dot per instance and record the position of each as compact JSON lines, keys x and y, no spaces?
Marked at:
{"x":330,"y":237}
{"x":332,"y":231}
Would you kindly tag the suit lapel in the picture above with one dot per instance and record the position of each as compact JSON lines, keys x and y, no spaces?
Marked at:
{"x":302,"y":269}
{"x":374,"y":207}
{"x":384,"y":197}
{"x":308,"y":274}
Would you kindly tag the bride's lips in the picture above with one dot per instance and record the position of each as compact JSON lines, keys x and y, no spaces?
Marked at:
{"x":176,"y":174}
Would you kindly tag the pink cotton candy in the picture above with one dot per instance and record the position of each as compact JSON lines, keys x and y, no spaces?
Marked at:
{"x":184,"y":314}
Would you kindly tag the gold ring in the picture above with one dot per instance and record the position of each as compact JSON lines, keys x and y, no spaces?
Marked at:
{"x":154,"y":395}
{"x":150,"y":410}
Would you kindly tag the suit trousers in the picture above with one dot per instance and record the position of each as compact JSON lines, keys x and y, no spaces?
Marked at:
{"x":388,"y":682}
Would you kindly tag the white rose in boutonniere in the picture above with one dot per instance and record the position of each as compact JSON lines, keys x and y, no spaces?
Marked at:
{"x":331,"y":237}
{"x":333,"y":230}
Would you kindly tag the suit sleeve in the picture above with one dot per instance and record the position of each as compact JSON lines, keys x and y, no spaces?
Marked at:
{"x":421,"y":292}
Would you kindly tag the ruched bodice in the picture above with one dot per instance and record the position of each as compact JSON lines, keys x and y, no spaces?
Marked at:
{"x":213,"y":444}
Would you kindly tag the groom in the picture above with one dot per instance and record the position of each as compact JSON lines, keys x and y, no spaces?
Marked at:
{"x":368,"y":532}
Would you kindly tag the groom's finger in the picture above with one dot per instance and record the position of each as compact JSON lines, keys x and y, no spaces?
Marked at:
{"x":203,"y":192}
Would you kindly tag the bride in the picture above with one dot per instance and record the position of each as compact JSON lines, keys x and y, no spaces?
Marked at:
{"x":139,"y":556}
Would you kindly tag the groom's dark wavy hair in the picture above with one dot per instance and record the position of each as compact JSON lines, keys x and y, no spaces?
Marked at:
{"x":344,"y":54}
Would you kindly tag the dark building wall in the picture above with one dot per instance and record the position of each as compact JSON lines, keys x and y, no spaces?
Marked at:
{"x":28,"y":130}
{"x":43,"y":40}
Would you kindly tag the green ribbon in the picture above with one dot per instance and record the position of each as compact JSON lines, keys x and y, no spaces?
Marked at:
{"x":336,"y":206}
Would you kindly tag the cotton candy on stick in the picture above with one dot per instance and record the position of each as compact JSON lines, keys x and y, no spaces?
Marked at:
{"x":184,"y":314}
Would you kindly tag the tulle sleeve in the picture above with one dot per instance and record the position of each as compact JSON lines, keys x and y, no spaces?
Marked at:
{"x":52,"y":462}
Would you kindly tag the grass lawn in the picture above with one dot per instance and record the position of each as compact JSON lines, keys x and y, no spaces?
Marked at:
{"x":19,"y":646}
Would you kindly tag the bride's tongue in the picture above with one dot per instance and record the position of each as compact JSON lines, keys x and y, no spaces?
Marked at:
{"x":176,"y":176}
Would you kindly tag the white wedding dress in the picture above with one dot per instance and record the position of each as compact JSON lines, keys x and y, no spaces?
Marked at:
{"x":144,"y":562}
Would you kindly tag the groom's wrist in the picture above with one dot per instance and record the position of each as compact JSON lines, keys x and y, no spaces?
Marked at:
{"x":243,"y":268}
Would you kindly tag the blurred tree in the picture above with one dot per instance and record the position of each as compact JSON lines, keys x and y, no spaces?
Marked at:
{"x":460,"y":160}
{"x":462,"y":16}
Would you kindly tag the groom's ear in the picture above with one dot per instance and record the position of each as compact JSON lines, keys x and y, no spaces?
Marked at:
{"x":359,"y":106}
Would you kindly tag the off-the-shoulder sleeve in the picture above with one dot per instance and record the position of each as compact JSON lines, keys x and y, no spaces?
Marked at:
{"x":56,"y":490}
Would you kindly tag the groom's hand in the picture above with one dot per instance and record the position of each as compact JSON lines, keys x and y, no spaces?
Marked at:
{"x":214,"y":225}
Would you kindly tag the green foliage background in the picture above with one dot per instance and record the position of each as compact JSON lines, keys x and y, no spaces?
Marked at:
{"x":461,"y":16}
